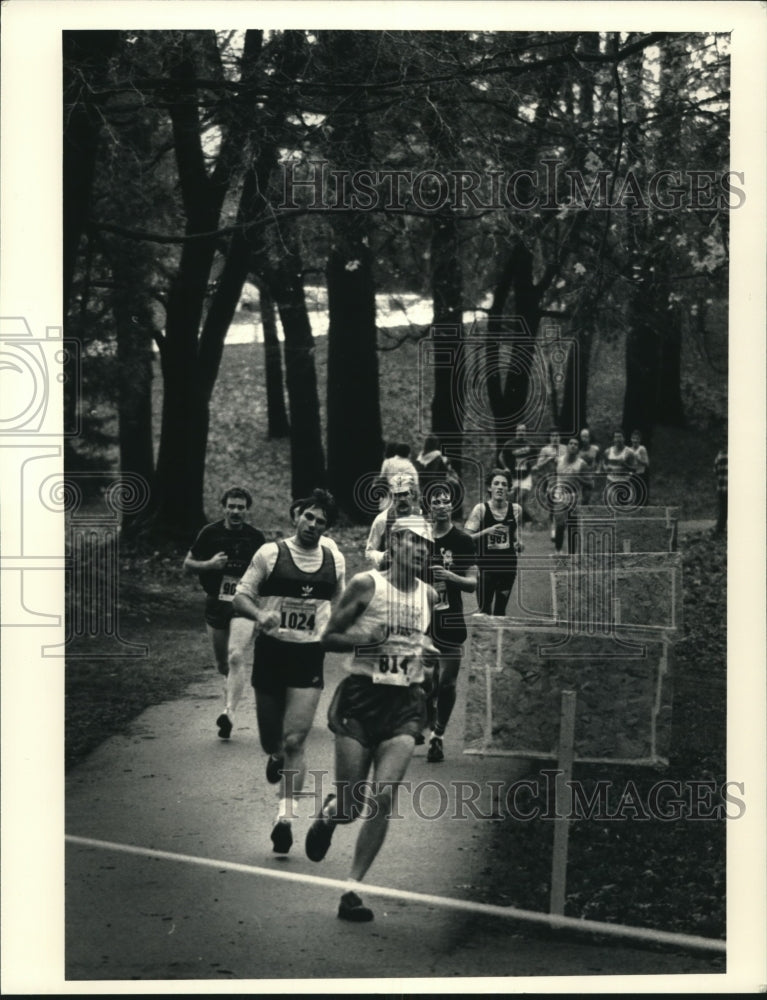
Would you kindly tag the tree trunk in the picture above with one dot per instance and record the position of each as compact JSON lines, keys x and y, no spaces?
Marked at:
{"x":86,"y":55}
{"x":640,"y":402}
{"x":190,"y":361}
{"x":575,"y":391}
{"x":670,"y":407}
{"x":447,"y":405}
{"x":133,"y":325}
{"x":278,"y":425}
{"x":355,"y":440}
{"x":307,"y":459}
{"x":509,"y":385}
{"x":178,"y":506}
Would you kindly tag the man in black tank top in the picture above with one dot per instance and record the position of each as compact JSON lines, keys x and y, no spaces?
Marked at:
{"x":493,"y":526}
{"x":452,"y":572}
{"x":287,"y":590}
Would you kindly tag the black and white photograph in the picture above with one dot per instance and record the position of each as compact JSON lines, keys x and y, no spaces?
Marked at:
{"x":375,"y":380}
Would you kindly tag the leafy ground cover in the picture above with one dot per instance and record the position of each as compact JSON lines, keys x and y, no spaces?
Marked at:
{"x":625,"y":863}
{"x":668,"y":875}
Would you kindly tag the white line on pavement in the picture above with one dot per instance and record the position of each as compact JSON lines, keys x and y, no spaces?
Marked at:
{"x":467,"y":905}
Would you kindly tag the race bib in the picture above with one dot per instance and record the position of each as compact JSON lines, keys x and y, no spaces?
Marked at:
{"x":297,"y":616}
{"x":392,"y":668}
{"x":228,"y":587}
{"x":499,"y":539}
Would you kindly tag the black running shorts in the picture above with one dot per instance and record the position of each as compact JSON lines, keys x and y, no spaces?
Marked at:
{"x":218,"y":614}
{"x":278,"y":665}
{"x":372,"y":713}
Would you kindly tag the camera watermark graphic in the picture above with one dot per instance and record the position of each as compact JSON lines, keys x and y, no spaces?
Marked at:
{"x":54,"y":523}
{"x":94,"y":503}
{"x":29,"y":366}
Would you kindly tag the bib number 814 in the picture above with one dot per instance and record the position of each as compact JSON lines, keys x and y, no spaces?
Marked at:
{"x":393,"y":664}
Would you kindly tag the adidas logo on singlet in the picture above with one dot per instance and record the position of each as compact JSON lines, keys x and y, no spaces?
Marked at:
{"x":306,"y":591}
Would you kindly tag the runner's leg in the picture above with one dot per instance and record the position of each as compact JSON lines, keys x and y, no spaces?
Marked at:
{"x":391,"y":759}
{"x":486,"y":591}
{"x":352,"y":765}
{"x":300,"y":707}
{"x":219,"y":638}
{"x":448,"y":674}
{"x":241,"y":631}
{"x":503,"y":593}
{"x":270,"y":708}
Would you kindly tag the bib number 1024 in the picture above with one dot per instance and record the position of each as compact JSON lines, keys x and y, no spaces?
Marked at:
{"x":297,"y":621}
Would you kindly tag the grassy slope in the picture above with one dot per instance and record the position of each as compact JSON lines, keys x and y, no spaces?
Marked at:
{"x":163,"y":607}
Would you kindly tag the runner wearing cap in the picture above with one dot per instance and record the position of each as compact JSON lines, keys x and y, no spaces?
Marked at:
{"x":404,"y":501}
{"x":378,"y":710}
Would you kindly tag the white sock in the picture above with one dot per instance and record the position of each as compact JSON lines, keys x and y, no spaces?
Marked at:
{"x":287,"y":809}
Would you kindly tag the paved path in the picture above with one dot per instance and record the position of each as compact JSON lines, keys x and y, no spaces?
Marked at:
{"x":170,"y":785}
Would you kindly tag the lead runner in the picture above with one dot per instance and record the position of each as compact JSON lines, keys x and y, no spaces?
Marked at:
{"x":378,"y":711}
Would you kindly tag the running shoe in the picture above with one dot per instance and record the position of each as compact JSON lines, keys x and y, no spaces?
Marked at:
{"x":319,"y":835}
{"x":352,"y":908}
{"x":435,"y":753}
{"x":282,"y":836}
{"x":224,"y":724}
{"x":274,"y":766}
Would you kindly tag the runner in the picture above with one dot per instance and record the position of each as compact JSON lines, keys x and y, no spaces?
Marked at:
{"x":545,"y":469}
{"x":377,"y":711}
{"x":619,"y":463}
{"x":452,"y":572}
{"x":404,"y":501}
{"x":516,"y":456}
{"x":494,"y":527}
{"x":572,"y":478}
{"x":398,"y":463}
{"x":286,"y":591}
{"x":220,"y":555}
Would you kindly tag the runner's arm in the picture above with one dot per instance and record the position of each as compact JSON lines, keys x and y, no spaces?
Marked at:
{"x":192,"y":565}
{"x":246,"y":596}
{"x":340,"y":636}
{"x":473,"y":522}
{"x":464,"y":579}
{"x":373,"y":551}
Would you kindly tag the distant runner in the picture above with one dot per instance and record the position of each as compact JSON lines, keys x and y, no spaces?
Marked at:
{"x":452,"y":573}
{"x":494,"y":526}
{"x":404,"y":501}
{"x":220,"y":555}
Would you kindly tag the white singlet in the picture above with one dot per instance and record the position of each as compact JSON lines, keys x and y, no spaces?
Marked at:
{"x":407,"y":615}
